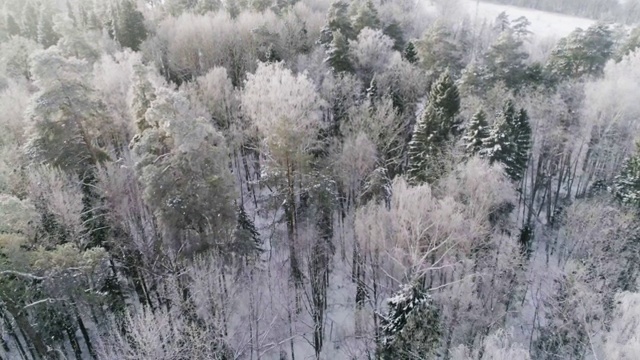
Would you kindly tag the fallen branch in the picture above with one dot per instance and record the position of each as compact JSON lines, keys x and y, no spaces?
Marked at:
{"x":21,"y":274}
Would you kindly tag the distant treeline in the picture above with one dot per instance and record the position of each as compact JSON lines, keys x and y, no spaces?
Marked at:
{"x":626,"y":11}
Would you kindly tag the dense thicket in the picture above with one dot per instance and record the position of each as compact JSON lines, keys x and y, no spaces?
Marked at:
{"x":205,"y":179}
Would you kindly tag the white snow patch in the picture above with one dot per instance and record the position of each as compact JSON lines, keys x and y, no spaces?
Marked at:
{"x":543,"y":24}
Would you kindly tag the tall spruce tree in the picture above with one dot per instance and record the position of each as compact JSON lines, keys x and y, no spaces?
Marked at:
{"x":338,"y":53}
{"x":47,"y":36}
{"x":366,"y":16}
{"x":247,"y":238}
{"x":626,"y":186}
{"x":394,"y":32}
{"x":434,"y":130}
{"x":583,"y":52}
{"x":30,"y":21}
{"x":12,"y":25}
{"x":505,"y":61}
{"x":477,"y":133}
{"x":410,"y":54}
{"x":143,"y":94}
{"x":130,"y":28}
{"x":338,"y":19}
{"x":510,"y":141}
{"x":71,"y":14}
{"x":411,"y":327}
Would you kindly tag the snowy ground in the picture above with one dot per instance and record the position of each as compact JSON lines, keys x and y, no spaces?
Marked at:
{"x":543,"y":24}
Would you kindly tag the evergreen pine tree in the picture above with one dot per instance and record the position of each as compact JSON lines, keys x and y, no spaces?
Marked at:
{"x":434,"y":130}
{"x":30,"y":21}
{"x":326,"y":37}
{"x":143,"y":94}
{"x":130,"y":29}
{"x":4,"y":34}
{"x":445,"y":97}
{"x":410,"y":54}
{"x":439,"y":50}
{"x":626,"y":186}
{"x":84,"y":17}
{"x":367,"y":16}
{"x":520,"y":27}
{"x":394,"y":31}
{"x":338,"y":53}
{"x":247,"y":237}
{"x":71,"y":15}
{"x":372,"y":90}
{"x":411,"y":327}
{"x":47,"y":36}
{"x":232,"y":8}
{"x":502,"y":23}
{"x":583,"y":52}
{"x":338,"y":19}
{"x":522,"y":141}
{"x":377,"y":187}
{"x":477,"y":133}
{"x":424,"y":146}
{"x":12,"y":26}
{"x":505,"y":61}
{"x":205,"y":6}
{"x":510,"y":141}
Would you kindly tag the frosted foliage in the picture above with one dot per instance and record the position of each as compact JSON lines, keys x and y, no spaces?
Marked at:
{"x":153,"y":336}
{"x":197,"y":43}
{"x":611,"y":110}
{"x":480,"y":186}
{"x":357,"y":160}
{"x":122,"y":195}
{"x":182,"y":166}
{"x":592,"y":230}
{"x":372,"y":51}
{"x":113,"y":80}
{"x":179,"y":116}
{"x":497,"y":346}
{"x":62,"y":197}
{"x":70,"y":123}
{"x":11,"y":180}
{"x":415,"y":230}
{"x":192,"y":45}
{"x":77,"y":42}
{"x":17,"y":216}
{"x":13,"y":100}
{"x":405,"y":80}
{"x":218,"y":95}
{"x":341,"y":92}
{"x":284,"y":107}
{"x":50,"y":66}
{"x":623,"y":340}
{"x":14,"y":57}
{"x":382,"y":124}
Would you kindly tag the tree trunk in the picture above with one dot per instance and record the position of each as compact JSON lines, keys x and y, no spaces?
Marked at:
{"x":35,"y":342}
{"x":290,"y":211}
{"x":13,"y":334}
{"x":85,"y":333}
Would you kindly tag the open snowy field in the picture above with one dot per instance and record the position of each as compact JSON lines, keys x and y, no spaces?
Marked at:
{"x":543,"y":24}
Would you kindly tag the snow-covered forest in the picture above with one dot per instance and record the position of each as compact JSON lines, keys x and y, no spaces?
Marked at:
{"x":318,"y":179}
